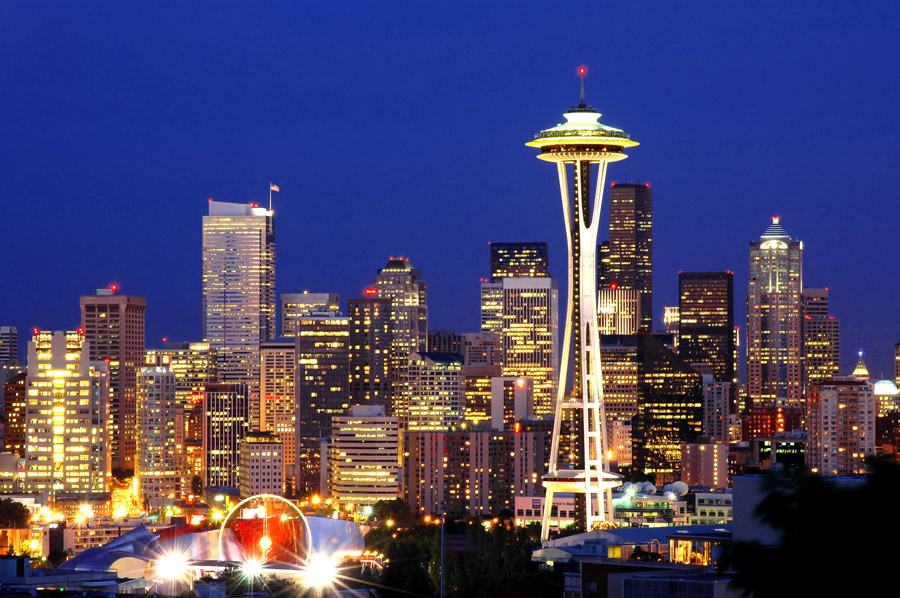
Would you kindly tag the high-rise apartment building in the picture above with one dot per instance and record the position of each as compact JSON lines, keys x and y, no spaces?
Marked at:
{"x":706,"y":321}
{"x":529,"y":334}
{"x":821,"y":338}
{"x":434,"y":397}
{"x":478,"y":393}
{"x":404,"y":286}
{"x":445,"y":341}
{"x":9,"y":345}
{"x":509,"y":260}
{"x":113,"y":326}
{"x":481,"y":348}
{"x":630,"y":255}
{"x":774,"y":339}
{"x":369,"y":348}
{"x":365,"y":457}
{"x":225,"y":425}
{"x":295,"y":306}
{"x":323,"y":375}
{"x":156,"y":460}
{"x":840,"y":422}
{"x":14,"y":403}
{"x":67,"y":448}
{"x":239,"y":301}
{"x":619,"y":364}
{"x":512,"y":401}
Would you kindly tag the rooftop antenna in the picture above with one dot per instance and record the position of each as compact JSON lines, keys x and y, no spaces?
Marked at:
{"x":582,"y":71}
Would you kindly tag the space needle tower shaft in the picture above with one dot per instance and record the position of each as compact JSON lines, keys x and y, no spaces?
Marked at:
{"x":580,"y":143}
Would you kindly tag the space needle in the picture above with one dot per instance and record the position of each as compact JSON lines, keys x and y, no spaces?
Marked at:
{"x":581,"y":141}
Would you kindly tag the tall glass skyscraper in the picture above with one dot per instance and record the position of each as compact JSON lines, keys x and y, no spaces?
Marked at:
{"x":774,"y":336}
{"x":239,"y":302}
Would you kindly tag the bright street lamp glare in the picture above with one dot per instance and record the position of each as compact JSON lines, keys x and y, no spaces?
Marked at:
{"x":320,"y":571}
{"x":171,"y":565}
{"x":252,"y":568}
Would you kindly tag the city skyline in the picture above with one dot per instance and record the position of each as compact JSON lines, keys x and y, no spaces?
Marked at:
{"x":711,"y":200}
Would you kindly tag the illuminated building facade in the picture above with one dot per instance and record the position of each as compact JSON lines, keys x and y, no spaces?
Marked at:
{"x":670,"y":409}
{"x":716,"y":408}
{"x":510,"y":260}
{"x":630,"y":264}
{"x":9,"y":345}
{"x":295,"y":306}
{"x":365,"y":457}
{"x":491,"y":307}
{"x":403,"y":285}
{"x":14,"y":403}
{"x":774,"y":339}
{"x":705,"y":464}
{"x":618,"y":310}
{"x":619,"y":363}
{"x":225,"y":425}
{"x":277,"y":388}
{"x":370,"y":350}
{"x":840,"y":422}
{"x":478,"y":393}
{"x":323,"y":375}
{"x":195,"y":366}
{"x":530,"y":335}
{"x":897,"y":364}
{"x":156,"y":462}
{"x":434,"y":396}
{"x":706,"y":321}
{"x":113,"y":326}
{"x":239,"y":302}
{"x":66,"y":416}
{"x":262,"y":464}
{"x":581,"y":142}
{"x":821,"y":338}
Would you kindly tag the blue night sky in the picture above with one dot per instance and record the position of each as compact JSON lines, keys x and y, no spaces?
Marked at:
{"x":399,"y":129}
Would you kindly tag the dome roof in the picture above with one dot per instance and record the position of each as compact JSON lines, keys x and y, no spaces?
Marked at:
{"x":885,"y":388}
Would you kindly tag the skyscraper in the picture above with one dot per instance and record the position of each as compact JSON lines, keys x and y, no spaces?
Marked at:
{"x":238,"y":286}
{"x":530,"y":335}
{"x":619,"y":310}
{"x":225,"y":425}
{"x":156,"y":463}
{"x":277,"y":394}
{"x":774,"y":340}
{"x":113,"y":327}
{"x":630,"y":258}
{"x":821,"y":339}
{"x":369,"y":348}
{"x":9,"y":345}
{"x":582,"y":141}
{"x":404,"y":286}
{"x":67,"y":447}
{"x":435,"y":397}
{"x":509,"y":260}
{"x":840,"y":422}
{"x":706,"y":321}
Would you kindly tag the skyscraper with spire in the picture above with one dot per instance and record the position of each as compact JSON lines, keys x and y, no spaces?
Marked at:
{"x":774,"y":335}
{"x":239,"y":302}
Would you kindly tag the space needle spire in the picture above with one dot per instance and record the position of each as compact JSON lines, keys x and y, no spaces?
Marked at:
{"x":581,"y":142}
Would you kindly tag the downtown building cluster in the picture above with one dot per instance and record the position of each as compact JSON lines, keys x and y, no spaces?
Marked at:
{"x":362,"y":402}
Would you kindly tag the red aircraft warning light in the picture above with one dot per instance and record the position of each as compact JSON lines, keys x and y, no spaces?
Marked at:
{"x":371,"y":292}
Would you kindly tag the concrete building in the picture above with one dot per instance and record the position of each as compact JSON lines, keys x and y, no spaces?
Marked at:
{"x":295,"y":306}
{"x":14,"y":403}
{"x":774,"y":336}
{"x":434,"y":397}
{"x":705,"y":464}
{"x":840,"y":422}
{"x":238,"y":287}
{"x":481,"y":348}
{"x":478,"y":393}
{"x":66,"y":417}
{"x":277,"y":392}
{"x":365,"y":457}
{"x":512,"y":400}
{"x":113,"y":326}
{"x":821,"y":338}
{"x":262,"y":464}
{"x":716,"y":408}
{"x":226,"y":423}
{"x":156,"y":463}
{"x":511,"y":260}
{"x":619,"y":364}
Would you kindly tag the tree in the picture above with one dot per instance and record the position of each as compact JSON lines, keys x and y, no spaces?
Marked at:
{"x":13,"y":514}
{"x":835,"y":536}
